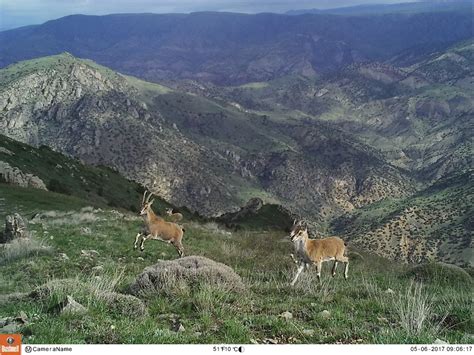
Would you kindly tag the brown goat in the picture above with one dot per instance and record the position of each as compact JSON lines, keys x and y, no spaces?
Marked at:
{"x":316,"y":251}
{"x":173,"y":216}
{"x":156,"y":228}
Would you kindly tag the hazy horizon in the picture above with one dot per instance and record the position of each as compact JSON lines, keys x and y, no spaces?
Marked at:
{"x":15,"y":14}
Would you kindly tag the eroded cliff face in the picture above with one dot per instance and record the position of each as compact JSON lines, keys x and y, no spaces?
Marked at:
{"x":208,"y":157}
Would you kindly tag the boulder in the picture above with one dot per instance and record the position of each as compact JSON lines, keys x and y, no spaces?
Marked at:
{"x":287,"y":315}
{"x":324,"y":314}
{"x":13,"y":175}
{"x":166,"y":276}
{"x":15,"y":227}
{"x":126,"y":305}
{"x":71,"y":306}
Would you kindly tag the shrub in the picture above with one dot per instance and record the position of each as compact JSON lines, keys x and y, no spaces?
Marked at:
{"x":92,"y":292}
{"x":414,"y":309}
{"x":440,"y":273}
{"x":57,"y":186}
{"x":22,"y":248}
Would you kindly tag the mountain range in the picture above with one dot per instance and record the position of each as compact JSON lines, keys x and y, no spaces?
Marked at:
{"x":230,"y":48}
{"x":204,"y":155}
{"x":401,"y":8}
{"x":360,"y":124}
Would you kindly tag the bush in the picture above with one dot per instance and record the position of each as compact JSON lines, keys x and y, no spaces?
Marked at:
{"x":22,"y":248}
{"x":92,"y":292}
{"x":414,"y":309}
{"x":440,"y":273}
{"x":57,"y":186}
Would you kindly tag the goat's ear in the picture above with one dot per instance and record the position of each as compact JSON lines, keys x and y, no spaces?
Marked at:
{"x":151,"y":202}
{"x":294,"y":222}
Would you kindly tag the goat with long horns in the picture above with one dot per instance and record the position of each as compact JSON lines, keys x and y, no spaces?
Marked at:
{"x":156,"y":228}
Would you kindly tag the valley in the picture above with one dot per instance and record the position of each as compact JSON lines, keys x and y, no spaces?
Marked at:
{"x":356,"y":121}
{"x":313,"y":114}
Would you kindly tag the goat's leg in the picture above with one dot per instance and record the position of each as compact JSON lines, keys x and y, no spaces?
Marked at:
{"x":179,"y":247}
{"x":345,"y":260}
{"x":142,"y":244}
{"x":294,"y":259}
{"x":298,"y":272}
{"x":135,"y":245}
{"x":318,"y":270}
{"x":334,"y":268}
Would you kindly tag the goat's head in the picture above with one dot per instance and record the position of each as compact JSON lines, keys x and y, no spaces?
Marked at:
{"x":146,"y":203}
{"x":298,"y":231}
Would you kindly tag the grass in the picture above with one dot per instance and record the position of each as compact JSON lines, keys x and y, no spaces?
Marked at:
{"x":22,"y":249}
{"x":361,"y":310}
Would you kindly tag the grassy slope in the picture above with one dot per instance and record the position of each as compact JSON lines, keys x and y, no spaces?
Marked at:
{"x":100,"y":186}
{"x":361,"y":310}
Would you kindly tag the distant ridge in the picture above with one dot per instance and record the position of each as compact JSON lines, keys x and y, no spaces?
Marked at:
{"x":230,"y":48}
{"x":401,"y":8}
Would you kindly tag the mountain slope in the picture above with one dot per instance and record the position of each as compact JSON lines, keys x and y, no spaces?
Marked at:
{"x":202,"y":154}
{"x":99,"y":186}
{"x":419,"y":116}
{"x":232,"y":48}
{"x":434,"y":224}
{"x":405,"y":8}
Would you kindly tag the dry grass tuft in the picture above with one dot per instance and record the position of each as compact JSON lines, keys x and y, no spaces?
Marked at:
{"x":22,"y":248}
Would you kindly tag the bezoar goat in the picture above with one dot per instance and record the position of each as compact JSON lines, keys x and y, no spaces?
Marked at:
{"x":173,"y":216}
{"x":316,"y":251}
{"x":156,"y":228}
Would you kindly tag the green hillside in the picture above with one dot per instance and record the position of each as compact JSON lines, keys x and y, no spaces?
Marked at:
{"x":85,"y":253}
{"x":97,"y":186}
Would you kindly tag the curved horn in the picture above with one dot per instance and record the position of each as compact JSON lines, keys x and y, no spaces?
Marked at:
{"x":144,"y":196}
{"x":149,"y":196}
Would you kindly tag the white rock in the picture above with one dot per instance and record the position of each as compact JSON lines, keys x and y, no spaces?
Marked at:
{"x":286,"y":315}
{"x":73,"y":307}
{"x":325,"y":314}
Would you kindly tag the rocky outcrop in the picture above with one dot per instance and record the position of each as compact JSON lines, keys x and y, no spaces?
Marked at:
{"x":168,"y":276}
{"x":71,"y":307}
{"x":252,"y":207}
{"x":15,"y":227}
{"x":14,"y":176}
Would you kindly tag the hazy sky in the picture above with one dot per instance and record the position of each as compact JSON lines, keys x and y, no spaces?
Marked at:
{"x":15,"y":13}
